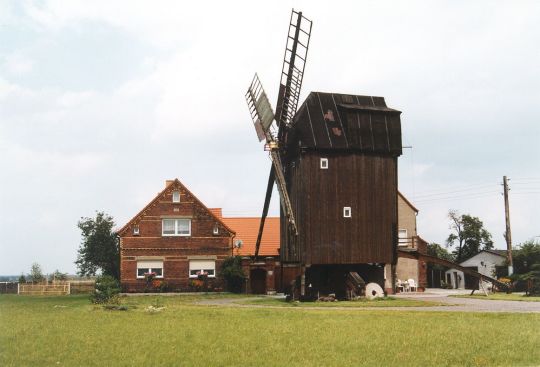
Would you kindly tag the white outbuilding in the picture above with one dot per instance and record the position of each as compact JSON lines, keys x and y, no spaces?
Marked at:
{"x":485,"y":262}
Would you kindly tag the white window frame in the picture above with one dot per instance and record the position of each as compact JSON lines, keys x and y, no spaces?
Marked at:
{"x":403,"y":241}
{"x":215,"y":231}
{"x":176,"y":232}
{"x":176,"y":196}
{"x":324,"y":163}
{"x":136,"y":230}
{"x":152,"y":265}
{"x":195,"y":268}
{"x":347,"y":212}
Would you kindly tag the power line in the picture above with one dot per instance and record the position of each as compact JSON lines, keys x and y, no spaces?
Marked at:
{"x":457,"y":197}
{"x":471,"y":188}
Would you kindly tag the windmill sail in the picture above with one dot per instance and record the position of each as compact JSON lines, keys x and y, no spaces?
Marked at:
{"x":292,"y":71}
{"x":262,"y":116}
{"x":292,"y":74}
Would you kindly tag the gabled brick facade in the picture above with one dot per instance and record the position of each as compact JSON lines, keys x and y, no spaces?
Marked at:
{"x":200,"y":238}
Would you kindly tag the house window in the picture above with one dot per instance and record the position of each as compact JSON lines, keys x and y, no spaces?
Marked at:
{"x":176,"y":196}
{"x":136,"y":230}
{"x":176,"y":227}
{"x":198,"y":267}
{"x":215,"y":231}
{"x":346,"y":212}
{"x":324,"y":163}
{"x":150,"y":267}
{"x":402,"y":237}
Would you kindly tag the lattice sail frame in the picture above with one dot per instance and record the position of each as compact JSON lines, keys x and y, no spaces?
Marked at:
{"x":262,"y":117}
{"x":260,"y":109}
{"x":292,"y":71}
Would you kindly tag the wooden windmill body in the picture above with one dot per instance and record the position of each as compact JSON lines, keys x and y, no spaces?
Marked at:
{"x":335,"y":165}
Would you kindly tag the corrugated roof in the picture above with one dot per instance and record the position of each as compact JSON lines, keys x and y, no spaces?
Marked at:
{"x":247,"y":229}
{"x":347,"y":122}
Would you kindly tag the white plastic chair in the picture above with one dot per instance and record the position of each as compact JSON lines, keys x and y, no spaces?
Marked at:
{"x":399,"y":285}
{"x":412,"y":285}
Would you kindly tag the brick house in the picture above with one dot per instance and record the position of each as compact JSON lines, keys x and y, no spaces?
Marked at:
{"x":175,"y":237}
{"x":408,"y":240}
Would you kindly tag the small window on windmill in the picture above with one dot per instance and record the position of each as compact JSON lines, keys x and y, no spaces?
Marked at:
{"x":176,"y":196}
{"x":324,"y":163}
{"x":215,"y":231}
{"x":135,"y":230}
{"x":346,"y":212}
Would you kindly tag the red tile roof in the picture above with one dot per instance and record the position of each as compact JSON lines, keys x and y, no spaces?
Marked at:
{"x":217,"y":212}
{"x":247,"y":229}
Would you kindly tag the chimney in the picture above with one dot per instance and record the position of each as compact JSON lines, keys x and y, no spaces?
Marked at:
{"x":217,"y":212}
{"x":168,"y":182}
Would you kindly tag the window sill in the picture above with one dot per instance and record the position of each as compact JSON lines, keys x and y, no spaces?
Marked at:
{"x":176,"y":235}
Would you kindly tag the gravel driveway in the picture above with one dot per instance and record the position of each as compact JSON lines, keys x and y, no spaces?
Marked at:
{"x":436,"y":295}
{"x":466,"y":304}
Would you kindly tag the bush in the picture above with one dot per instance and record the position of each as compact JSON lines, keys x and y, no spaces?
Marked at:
{"x":106,"y":291}
{"x":232,"y":273}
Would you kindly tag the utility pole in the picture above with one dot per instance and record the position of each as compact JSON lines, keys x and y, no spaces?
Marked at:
{"x":508,"y":234}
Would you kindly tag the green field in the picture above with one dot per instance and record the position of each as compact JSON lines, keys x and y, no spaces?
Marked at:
{"x":501,"y":297}
{"x":69,"y":331}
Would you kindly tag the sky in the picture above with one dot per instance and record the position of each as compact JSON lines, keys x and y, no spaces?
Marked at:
{"x":102,"y":101}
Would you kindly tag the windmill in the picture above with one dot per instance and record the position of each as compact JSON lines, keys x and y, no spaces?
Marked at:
{"x":334,"y":160}
{"x":263,"y":116}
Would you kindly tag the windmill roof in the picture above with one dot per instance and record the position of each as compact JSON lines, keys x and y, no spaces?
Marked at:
{"x":247,"y":229}
{"x":347,"y":122}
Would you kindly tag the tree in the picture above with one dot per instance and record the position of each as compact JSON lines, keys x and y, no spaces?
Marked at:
{"x":36,"y":275}
{"x":434,"y":249}
{"x":469,"y":235}
{"x":100,"y":247}
{"x":232,"y":272}
{"x":57,"y":276}
{"x":525,"y":256}
{"x":22,"y":278}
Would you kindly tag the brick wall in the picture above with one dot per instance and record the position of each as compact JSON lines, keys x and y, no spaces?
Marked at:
{"x":174,"y":251}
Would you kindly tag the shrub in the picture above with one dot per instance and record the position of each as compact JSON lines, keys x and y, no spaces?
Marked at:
{"x":106,"y":291}
{"x":233,"y":274}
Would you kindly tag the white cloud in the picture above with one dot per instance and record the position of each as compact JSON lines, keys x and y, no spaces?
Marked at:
{"x":18,"y":64}
{"x":464,"y":75}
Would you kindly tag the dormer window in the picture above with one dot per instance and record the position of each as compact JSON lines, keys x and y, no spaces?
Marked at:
{"x":135,"y":230}
{"x":176,"y":196}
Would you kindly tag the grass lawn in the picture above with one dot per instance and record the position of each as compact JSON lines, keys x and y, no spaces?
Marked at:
{"x":501,"y":297}
{"x":381,"y":302}
{"x":69,"y":331}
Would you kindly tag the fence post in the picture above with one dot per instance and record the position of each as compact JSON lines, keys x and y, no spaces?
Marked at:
{"x":18,"y":288}
{"x":69,"y":288}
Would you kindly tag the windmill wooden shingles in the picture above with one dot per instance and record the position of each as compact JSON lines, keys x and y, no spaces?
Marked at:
{"x":339,"y":121}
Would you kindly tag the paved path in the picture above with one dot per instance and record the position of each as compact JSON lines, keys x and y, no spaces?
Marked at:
{"x":469,"y":304}
{"x":452,"y":304}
